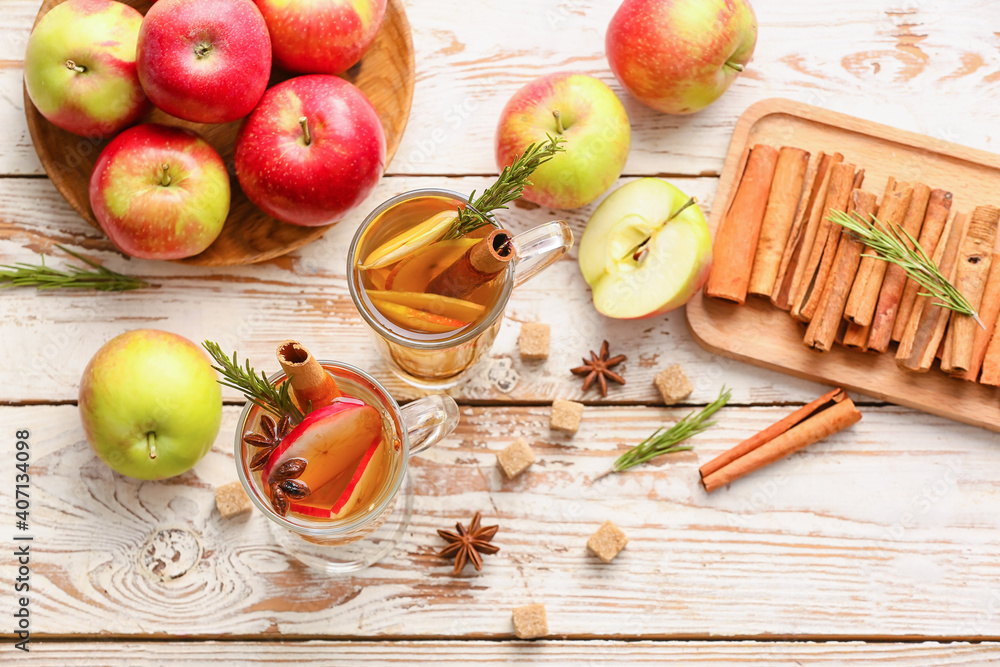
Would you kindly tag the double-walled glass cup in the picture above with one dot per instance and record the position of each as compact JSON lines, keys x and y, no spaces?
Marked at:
{"x":445,"y":362}
{"x":370,"y":532}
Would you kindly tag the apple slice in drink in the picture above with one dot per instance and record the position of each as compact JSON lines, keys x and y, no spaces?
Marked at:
{"x":646,"y":250}
{"x":331,"y":440}
{"x":415,"y":319}
{"x":408,"y":242}
{"x":341,"y":495}
{"x":456,"y":309}
{"x":417,"y":271}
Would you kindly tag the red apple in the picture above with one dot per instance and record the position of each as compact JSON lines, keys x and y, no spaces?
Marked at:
{"x":160,"y":192}
{"x":321,"y":36}
{"x":79,"y":67}
{"x":679,"y":56}
{"x":591,"y":118}
{"x":311,"y":151}
{"x":206,"y":62}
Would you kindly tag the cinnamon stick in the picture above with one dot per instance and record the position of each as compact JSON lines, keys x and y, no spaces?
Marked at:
{"x":924,"y":332}
{"x":827,"y":415}
{"x":842,"y":179}
{"x":975,"y":258}
{"x":894,"y":282}
{"x":826,"y":322}
{"x":480,"y":264}
{"x":780,"y":296}
{"x":737,"y":236}
{"x":782,"y":204}
{"x":860,"y":307}
{"x":991,"y":362}
{"x":989,"y":310}
{"x":312,"y":387}
{"x":938,"y":208}
{"x":807,"y":235}
{"x":856,"y":337}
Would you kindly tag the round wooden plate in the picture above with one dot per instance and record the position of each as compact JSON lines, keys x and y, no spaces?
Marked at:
{"x":385,"y":74}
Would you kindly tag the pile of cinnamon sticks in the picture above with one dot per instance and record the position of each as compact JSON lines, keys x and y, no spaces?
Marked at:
{"x":776,"y":241}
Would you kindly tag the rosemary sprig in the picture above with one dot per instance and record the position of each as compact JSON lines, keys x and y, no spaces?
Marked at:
{"x":667,"y":441}
{"x":897,"y":246}
{"x":256,"y":388}
{"x":76,"y":277}
{"x":508,"y":187}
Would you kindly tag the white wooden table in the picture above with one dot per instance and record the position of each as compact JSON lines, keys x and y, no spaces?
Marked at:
{"x":879,"y":544}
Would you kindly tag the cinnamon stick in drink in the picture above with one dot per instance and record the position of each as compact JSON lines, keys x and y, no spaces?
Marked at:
{"x":810,"y":232}
{"x":894,"y":282}
{"x":480,"y":264}
{"x":779,"y":216}
{"x":823,"y":417}
{"x":924,"y":332}
{"x":826,"y":322}
{"x":860,"y":307}
{"x":312,"y":387}
{"x":737,"y":236}
{"x":842,"y":179}
{"x":989,"y":310}
{"x":975,"y":258}
{"x":782,"y":293}
{"x":938,"y":208}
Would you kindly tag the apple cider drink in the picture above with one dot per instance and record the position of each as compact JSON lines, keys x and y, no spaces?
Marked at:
{"x":336,"y":461}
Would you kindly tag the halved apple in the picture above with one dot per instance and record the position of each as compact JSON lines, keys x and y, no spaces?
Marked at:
{"x":456,"y":309}
{"x":645,"y":251}
{"x":331,"y":439}
{"x":416,"y":319}
{"x":418,"y":270}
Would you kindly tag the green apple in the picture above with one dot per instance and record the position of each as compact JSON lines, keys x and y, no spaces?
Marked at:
{"x":646,"y":250}
{"x":150,"y":404}
{"x":588,"y":115}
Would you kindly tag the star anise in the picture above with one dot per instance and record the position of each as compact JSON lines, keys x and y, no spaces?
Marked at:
{"x":271,"y":436}
{"x":467,"y":543}
{"x":598,"y":367}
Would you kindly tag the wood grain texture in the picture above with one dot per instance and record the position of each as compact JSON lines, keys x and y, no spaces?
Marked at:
{"x":49,"y":337}
{"x":822,"y":545}
{"x":384,"y":75}
{"x":548,"y":652}
{"x":920,"y":57}
{"x":766,"y":336}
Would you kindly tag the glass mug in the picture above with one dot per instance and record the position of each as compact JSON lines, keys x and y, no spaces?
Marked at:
{"x":368,"y":533}
{"x":444,"y":361}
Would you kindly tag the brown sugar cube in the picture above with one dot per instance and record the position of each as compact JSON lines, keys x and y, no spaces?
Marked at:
{"x":565,"y":416}
{"x":607,"y":542}
{"x":516,"y":458}
{"x":673,"y":384}
{"x":232,"y":500}
{"x":533,"y":341}
{"x":529,"y":621}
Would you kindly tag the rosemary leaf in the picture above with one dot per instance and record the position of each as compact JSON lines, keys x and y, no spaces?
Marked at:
{"x":256,"y":388}
{"x":897,"y":246}
{"x":667,"y":441}
{"x":74,"y":277}
{"x":508,"y":187}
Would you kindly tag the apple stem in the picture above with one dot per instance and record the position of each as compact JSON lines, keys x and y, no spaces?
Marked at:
{"x":76,"y":68}
{"x":151,"y":444}
{"x":558,"y":117}
{"x":165,"y":174}
{"x":690,"y":202}
{"x":736,"y":66}
{"x":306,"y":135}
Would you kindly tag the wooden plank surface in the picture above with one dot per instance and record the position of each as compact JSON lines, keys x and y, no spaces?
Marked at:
{"x":887,"y":529}
{"x":922,"y":57}
{"x":550,"y":653}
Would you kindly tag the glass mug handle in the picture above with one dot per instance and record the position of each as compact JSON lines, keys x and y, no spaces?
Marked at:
{"x":538,"y":248}
{"x":429,"y":420}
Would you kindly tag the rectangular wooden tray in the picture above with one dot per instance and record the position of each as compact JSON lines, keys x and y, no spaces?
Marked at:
{"x":763,"y":335}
